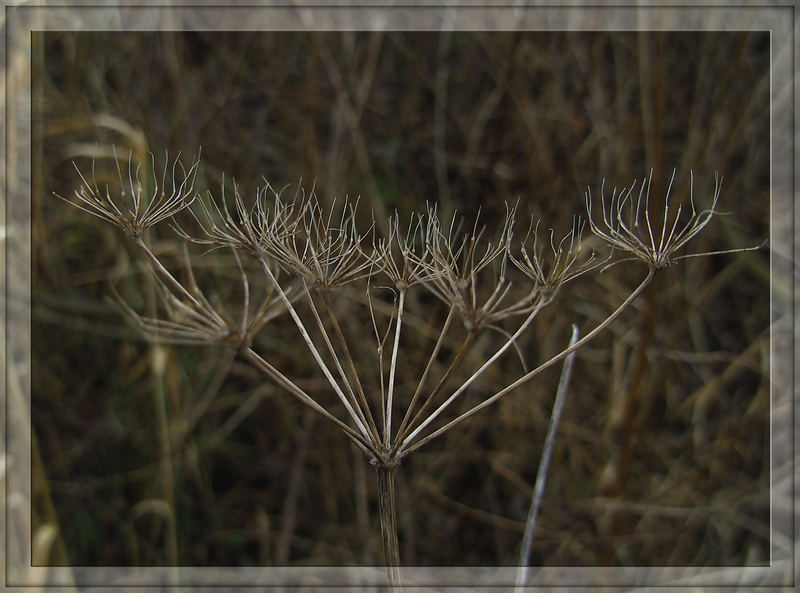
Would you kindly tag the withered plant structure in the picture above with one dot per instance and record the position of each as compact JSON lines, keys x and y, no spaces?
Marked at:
{"x":308,"y":255}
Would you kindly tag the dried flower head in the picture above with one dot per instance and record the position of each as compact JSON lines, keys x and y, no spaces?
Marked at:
{"x":219,"y":227}
{"x":566,"y":264}
{"x":325,"y":252}
{"x":627,"y":225}
{"x":184,"y":323}
{"x":454,"y":262}
{"x":402,"y":256}
{"x":132,"y":210}
{"x":192,"y":319}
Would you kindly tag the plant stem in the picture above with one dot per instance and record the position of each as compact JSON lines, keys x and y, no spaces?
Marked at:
{"x":387,"y":429}
{"x":406,"y":449}
{"x":427,"y":370}
{"x":459,"y":357}
{"x":203,"y":311}
{"x":349,"y":358}
{"x":386,"y":508}
{"x":282,"y":381}
{"x":335,"y":357}
{"x":313,"y":349}
{"x":544,"y":464}
{"x":476,"y":374}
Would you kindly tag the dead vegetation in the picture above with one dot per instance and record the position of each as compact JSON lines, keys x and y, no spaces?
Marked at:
{"x":154,"y":453}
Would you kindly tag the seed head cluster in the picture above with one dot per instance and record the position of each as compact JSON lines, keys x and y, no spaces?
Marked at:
{"x":626,"y":223}
{"x":135,"y":209}
{"x":306,"y":252}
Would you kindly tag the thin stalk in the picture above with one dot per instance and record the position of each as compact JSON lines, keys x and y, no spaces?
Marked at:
{"x":477,"y":373}
{"x":427,"y":370}
{"x":462,"y":352}
{"x":387,"y":429}
{"x":380,"y":342}
{"x":245,"y":289}
{"x":170,"y":279}
{"x":193,"y":286}
{"x":351,"y":363}
{"x":544,"y":464}
{"x":270,"y":371}
{"x":166,"y":464}
{"x":313,"y":349}
{"x":386,"y":508}
{"x":530,"y":375}
{"x":335,"y":357}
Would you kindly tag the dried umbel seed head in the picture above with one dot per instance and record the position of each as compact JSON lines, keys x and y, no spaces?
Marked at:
{"x":271,"y":220}
{"x":184,"y":324}
{"x":219,"y":226}
{"x":463,"y":255}
{"x":568,"y":260}
{"x":321,"y":249}
{"x":402,"y":255}
{"x":192,"y":319}
{"x":627,"y":226}
{"x":131,"y":208}
{"x":454,"y":261}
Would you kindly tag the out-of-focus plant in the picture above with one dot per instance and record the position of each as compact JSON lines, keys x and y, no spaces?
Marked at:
{"x":307,"y":256}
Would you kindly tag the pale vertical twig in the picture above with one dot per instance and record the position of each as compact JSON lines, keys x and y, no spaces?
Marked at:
{"x":544,"y":464}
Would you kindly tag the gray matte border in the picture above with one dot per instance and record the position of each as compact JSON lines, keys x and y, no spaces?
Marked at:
{"x":15,"y":245}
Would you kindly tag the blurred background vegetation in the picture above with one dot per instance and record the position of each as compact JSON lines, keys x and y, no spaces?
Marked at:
{"x":149,"y":455}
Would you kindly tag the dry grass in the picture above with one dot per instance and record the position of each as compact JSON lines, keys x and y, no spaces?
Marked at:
{"x":662,"y":451}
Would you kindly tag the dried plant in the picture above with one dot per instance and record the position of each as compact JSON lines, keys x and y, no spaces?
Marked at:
{"x":455,"y":264}
{"x":627,"y":226}
{"x":133,"y":210}
{"x":567,"y":261}
{"x":193,"y":320}
{"x":402,"y":257}
{"x":324,"y":252}
{"x":319,"y":252}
